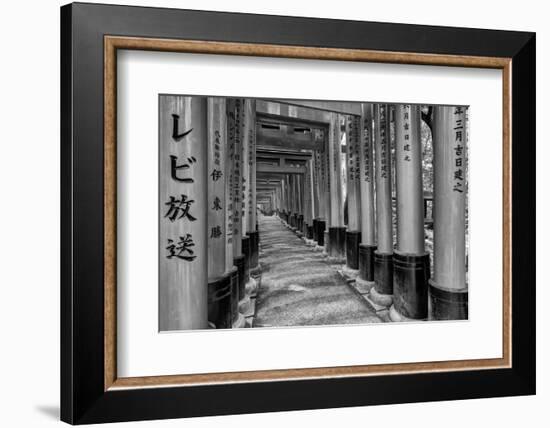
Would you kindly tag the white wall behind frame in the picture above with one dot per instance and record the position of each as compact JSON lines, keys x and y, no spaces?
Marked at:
{"x":144,"y":352}
{"x":32,"y":340}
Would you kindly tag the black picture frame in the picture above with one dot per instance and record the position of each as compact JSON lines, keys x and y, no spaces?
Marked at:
{"x":83,"y":397}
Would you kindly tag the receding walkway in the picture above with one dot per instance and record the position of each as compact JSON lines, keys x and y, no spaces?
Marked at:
{"x":298,"y":287}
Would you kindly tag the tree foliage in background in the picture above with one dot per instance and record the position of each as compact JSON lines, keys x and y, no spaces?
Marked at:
{"x":427,"y":148}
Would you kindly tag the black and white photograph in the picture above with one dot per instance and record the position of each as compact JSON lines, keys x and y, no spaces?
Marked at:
{"x":289,"y":212}
{"x":274,"y":214}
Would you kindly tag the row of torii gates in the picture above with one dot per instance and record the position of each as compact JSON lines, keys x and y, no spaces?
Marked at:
{"x":286,"y":158}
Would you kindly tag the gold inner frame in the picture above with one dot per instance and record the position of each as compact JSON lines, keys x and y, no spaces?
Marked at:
{"x":113,"y":43}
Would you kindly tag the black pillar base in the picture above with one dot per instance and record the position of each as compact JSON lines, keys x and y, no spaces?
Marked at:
{"x":447,"y":304}
{"x":315,"y":230}
{"x":383,"y":272}
{"x":337,"y":242}
{"x":254,"y":248}
{"x":239,"y":264}
{"x":309,"y":231}
{"x":353,"y":238}
{"x":410,"y":289}
{"x":300,"y":225}
{"x":321,"y":226}
{"x":366,"y":262}
{"x":246,"y":254}
{"x":234,"y":294}
{"x":219,"y":301}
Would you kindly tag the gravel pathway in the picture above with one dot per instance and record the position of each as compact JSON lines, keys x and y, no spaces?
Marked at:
{"x":298,"y":286}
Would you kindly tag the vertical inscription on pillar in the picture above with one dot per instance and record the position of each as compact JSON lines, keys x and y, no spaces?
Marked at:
{"x":182,"y":212}
{"x":367,"y":150}
{"x":230,"y":111}
{"x":217,"y":146}
{"x":237,"y":176}
{"x":252,"y":162}
{"x":366,"y":183}
{"x":245,"y":164}
{"x":316,"y":172}
{"x":458,"y":172}
{"x":353,"y":173}
{"x":351,"y":148}
{"x":383,"y":143}
{"x":406,"y":144}
{"x":384,"y":220}
{"x":450,"y":188}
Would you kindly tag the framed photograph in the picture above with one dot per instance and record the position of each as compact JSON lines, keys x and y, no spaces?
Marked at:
{"x":266,"y":213}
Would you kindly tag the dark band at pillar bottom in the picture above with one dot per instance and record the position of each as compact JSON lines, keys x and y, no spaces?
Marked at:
{"x":353,"y":238}
{"x":448,"y":304}
{"x":410,"y":284}
{"x":239,"y":262}
{"x":315,"y":230}
{"x":366,"y":262}
{"x":383,"y":272}
{"x":300,"y":223}
{"x":294,"y":220}
{"x":254,"y":248}
{"x":337,"y":242}
{"x":219,"y":301}
{"x":321,"y":226}
{"x":309,"y":231}
{"x":234,"y":294}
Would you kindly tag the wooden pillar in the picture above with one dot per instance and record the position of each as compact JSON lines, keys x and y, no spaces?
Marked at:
{"x":252,"y":232}
{"x":294,"y":197}
{"x":290,"y":182}
{"x":353,"y":232}
{"x":449,"y":290}
{"x":294,"y":201}
{"x":411,"y":262}
{"x":314,"y":180}
{"x":283,"y":198}
{"x":279,"y":194}
{"x":183,"y":262}
{"x":325,"y":221}
{"x":315,"y":199}
{"x":245,"y":186}
{"x":383,"y":266}
{"x":288,"y":195}
{"x":321,"y":188}
{"x":235,"y":130}
{"x":279,"y":199}
{"x":219,"y":276}
{"x":233,"y":238}
{"x":247,"y":135}
{"x":337,"y":231}
{"x":366,"y":182}
{"x":300,"y":202}
{"x":308,"y":200}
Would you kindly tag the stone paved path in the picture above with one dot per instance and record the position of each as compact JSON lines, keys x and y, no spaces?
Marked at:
{"x":298,"y":286}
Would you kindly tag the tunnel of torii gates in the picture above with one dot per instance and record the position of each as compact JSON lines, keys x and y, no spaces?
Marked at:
{"x":291,"y":159}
